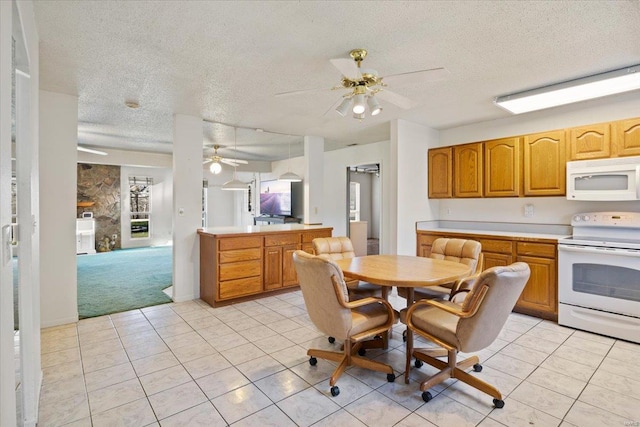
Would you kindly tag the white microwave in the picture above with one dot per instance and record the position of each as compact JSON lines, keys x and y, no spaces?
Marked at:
{"x":604,"y":179}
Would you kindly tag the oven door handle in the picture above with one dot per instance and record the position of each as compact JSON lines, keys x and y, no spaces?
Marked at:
{"x":603,"y":251}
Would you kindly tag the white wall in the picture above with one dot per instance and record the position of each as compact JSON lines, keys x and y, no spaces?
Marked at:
{"x":161,"y":227}
{"x":335,"y":188}
{"x":228,"y":208}
{"x":410,"y":142}
{"x":58,"y":179}
{"x":187,"y":206}
{"x":547,"y":210}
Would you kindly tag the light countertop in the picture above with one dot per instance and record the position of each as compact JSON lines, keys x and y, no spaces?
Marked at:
{"x":525,"y":230}
{"x":251,"y":229}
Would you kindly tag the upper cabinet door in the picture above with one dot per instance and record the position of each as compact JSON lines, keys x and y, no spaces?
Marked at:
{"x":440,"y":173}
{"x":627,"y":137}
{"x":545,"y":164}
{"x":502,"y":160}
{"x":467,"y":170}
{"x":590,"y":142}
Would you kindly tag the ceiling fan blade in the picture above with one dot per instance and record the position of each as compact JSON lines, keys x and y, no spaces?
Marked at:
{"x":300,"y":92}
{"x":347,"y":67}
{"x":396,"y":99}
{"x":234,"y":162}
{"x":207,"y":161}
{"x":416,"y":77}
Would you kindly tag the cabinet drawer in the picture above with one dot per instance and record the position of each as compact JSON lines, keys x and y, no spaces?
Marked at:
{"x":237,"y":270}
{"x":282,"y":239}
{"x":308,"y":236}
{"x":239,"y":255}
{"x":547,"y":250}
{"x":240,"y":243}
{"x":496,"y":246}
{"x":239,"y":287}
{"x":427,"y":239}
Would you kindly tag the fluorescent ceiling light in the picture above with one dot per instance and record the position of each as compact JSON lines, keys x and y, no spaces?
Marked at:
{"x":599,"y":85}
{"x":89,"y":150}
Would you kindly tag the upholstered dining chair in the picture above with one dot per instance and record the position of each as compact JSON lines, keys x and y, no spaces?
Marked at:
{"x":340,"y":248}
{"x":354,"y":322}
{"x":468,"y":252}
{"x":469,"y":327}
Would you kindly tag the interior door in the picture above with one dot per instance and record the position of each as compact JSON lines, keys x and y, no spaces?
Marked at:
{"x":18,"y":197}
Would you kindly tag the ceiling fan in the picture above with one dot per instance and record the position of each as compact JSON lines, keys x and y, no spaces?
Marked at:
{"x":364,"y":86}
{"x":216,"y":167}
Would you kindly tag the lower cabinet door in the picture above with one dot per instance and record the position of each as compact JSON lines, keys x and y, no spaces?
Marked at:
{"x":273,"y":267}
{"x":289,"y":276}
{"x":540,"y":293}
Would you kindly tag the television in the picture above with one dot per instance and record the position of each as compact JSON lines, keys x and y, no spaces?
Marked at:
{"x":275,"y":198}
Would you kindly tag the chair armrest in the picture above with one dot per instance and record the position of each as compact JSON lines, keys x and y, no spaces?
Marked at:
{"x":457,"y":311}
{"x":360,"y":302}
{"x":463,"y":285}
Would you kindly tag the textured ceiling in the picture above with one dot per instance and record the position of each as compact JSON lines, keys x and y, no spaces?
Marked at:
{"x":225,"y":61}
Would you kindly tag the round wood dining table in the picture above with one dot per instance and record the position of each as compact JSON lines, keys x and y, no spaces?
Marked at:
{"x":403,"y":271}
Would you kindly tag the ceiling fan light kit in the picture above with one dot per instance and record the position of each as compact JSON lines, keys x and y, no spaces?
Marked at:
{"x":596,"y":86}
{"x":215,"y":167}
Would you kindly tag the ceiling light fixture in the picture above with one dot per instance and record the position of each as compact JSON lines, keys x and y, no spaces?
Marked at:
{"x":596,"y":86}
{"x":374,"y":105}
{"x":215,"y":167}
{"x":89,"y":150}
{"x":289,"y":176}
{"x":235,"y":184}
{"x":343,"y":108}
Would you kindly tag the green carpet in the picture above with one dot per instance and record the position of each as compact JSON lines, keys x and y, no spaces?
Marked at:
{"x":122,"y":280}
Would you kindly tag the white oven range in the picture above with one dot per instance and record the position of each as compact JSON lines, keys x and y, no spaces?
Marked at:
{"x":599,"y":275}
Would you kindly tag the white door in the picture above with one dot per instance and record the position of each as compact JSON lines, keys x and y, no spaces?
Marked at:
{"x":20,"y":341}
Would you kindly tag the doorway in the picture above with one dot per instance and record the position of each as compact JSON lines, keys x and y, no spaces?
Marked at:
{"x":364,"y":207}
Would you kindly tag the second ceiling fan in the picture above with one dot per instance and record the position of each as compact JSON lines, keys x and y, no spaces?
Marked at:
{"x":216,"y":166}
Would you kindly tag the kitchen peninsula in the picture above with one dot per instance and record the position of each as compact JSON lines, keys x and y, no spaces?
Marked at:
{"x":240,"y":263}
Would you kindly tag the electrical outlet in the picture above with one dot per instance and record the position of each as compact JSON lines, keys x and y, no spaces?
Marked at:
{"x":528,"y":210}
{"x":114,"y":237}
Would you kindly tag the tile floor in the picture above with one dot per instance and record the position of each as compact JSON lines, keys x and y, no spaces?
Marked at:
{"x":188,"y":364}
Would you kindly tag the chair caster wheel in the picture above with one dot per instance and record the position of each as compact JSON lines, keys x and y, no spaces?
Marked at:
{"x":426,"y":396}
{"x":313,"y":361}
{"x":498,"y":403}
{"x":391,"y":378}
{"x":478,"y":368}
{"x":362,"y":351}
{"x":331,"y":340}
{"x":336,"y":391}
{"x":418,"y":363}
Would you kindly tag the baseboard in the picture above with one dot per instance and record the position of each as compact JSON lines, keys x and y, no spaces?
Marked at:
{"x":182,"y":298}
{"x":58,"y":322}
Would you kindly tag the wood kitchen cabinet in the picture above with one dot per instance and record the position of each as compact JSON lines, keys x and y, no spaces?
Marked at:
{"x":235,"y":266}
{"x":544,"y":157}
{"x":440,"y":163}
{"x":540,"y":295}
{"x":541,"y":292}
{"x":627,"y":137}
{"x":590,"y":142}
{"x":502,"y":161}
{"x":278,"y":260}
{"x":467,"y":170}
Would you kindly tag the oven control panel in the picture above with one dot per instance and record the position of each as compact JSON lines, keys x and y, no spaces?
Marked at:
{"x":606,"y":219}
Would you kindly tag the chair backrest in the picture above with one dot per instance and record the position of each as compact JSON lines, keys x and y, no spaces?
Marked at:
{"x":316,"y":275}
{"x":334,"y":247}
{"x":504,"y":286}
{"x":464,"y":251}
